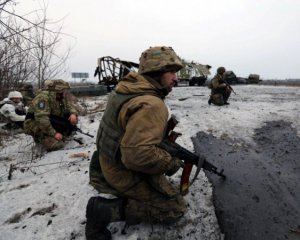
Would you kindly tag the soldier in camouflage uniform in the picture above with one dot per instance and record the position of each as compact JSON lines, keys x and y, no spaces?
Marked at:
{"x":51,"y":101}
{"x":28,"y":94}
{"x":220,"y":91}
{"x":128,"y":162}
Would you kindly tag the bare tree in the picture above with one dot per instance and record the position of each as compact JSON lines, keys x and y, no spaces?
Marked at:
{"x":47,"y":55}
{"x":30,"y":49}
{"x":15,"y":61}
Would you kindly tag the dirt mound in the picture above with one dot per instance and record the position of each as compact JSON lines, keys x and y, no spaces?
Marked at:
{"x":261,"y":195}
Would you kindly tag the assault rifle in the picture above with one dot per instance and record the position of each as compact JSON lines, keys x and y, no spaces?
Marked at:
{"x":228,"y":85}
{"x":62,"y":125}
{"x":188,"y":157}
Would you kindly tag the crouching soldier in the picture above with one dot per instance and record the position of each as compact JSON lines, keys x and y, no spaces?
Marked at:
{"x":48,"y":108}
{"x":220,"y":91}
{"x":12,"y":111}
{"x":129,"y":163}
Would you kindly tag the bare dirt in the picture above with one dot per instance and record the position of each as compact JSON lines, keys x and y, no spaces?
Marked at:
{"x":260,"y":199}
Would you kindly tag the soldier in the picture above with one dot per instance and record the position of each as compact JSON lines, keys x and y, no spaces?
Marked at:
{"x":28,"y":94}
{"x":220,"y":91}
{"x":132,"y":166}
{"x":12,"y":111}
{"x":51,"y":102}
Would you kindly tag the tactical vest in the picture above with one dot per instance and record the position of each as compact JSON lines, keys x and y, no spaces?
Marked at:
{"x":110,"y":134}
{"x":52,"y":102}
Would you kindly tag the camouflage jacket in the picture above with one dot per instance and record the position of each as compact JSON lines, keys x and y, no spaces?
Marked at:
{"x":46,"y":104}
{"x":216,"y":82}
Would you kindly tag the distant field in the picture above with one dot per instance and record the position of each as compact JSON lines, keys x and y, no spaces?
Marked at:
{"x":272,"y":82}
{"x":288,"y":82}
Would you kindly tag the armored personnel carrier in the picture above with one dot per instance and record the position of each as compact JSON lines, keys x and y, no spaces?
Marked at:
{"x":194,"y":73}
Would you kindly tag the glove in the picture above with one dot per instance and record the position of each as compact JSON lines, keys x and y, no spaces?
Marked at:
{"x":174,"y":166}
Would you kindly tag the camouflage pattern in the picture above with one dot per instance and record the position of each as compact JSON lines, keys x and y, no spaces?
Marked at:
{"x":159,"y":59}
{"x":139,"y":175}
{"x":28,"y":94}
{"x":43,"y":105}
{"x":56,"y":85}
{"x":219,"y":94}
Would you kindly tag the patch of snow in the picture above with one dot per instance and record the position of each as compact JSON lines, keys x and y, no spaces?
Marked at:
{"x":47,"y":195}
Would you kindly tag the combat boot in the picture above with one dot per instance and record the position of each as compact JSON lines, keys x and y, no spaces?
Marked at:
{"x":99,"y":213}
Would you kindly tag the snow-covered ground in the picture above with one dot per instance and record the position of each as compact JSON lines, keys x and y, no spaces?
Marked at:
{"x":48,"y":192}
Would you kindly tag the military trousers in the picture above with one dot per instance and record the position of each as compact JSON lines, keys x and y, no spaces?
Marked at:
{"x":48,"y":142}
{"x":220,"y":98}
{"x":156,"y":202}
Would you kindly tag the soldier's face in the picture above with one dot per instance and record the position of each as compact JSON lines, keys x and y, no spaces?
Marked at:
{"x":65,"y":93}
{"x":16,"y":100}
{"x":61,"y":95}
{"x":168,"y":80}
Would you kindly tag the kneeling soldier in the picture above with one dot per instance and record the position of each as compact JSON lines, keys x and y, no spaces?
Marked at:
{"x":49,"y":103}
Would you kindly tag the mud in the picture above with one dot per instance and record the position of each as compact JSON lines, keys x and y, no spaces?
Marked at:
{"x":260,"y":199}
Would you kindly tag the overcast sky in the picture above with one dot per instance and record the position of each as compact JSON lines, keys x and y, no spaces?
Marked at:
{"x":246,"y":36}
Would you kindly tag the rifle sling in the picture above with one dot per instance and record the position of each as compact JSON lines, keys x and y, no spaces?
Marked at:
{"x":199,"y":166}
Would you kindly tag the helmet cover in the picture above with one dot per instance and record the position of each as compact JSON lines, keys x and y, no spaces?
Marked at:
{"x":159,"y":59}
{"x":56,"y":85}
{"x":14,"y":94}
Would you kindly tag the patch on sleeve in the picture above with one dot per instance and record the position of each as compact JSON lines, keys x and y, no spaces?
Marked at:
{"x":42,"y":105}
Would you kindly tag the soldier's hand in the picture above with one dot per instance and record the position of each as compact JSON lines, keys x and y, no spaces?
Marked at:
{"x":58,"y":136}
{"x":73,"y":119}
{"x":174,"y":166}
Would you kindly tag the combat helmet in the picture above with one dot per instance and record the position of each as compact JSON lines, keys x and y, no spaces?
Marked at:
{"x":221,"y":70}
{"x":27,"y":87}
{"x":159,"y":59}
{"x":14,"y":94}
{"x":58,"y":85}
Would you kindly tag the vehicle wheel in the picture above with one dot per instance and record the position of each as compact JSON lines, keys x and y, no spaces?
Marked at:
{"x":191,"y":83}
